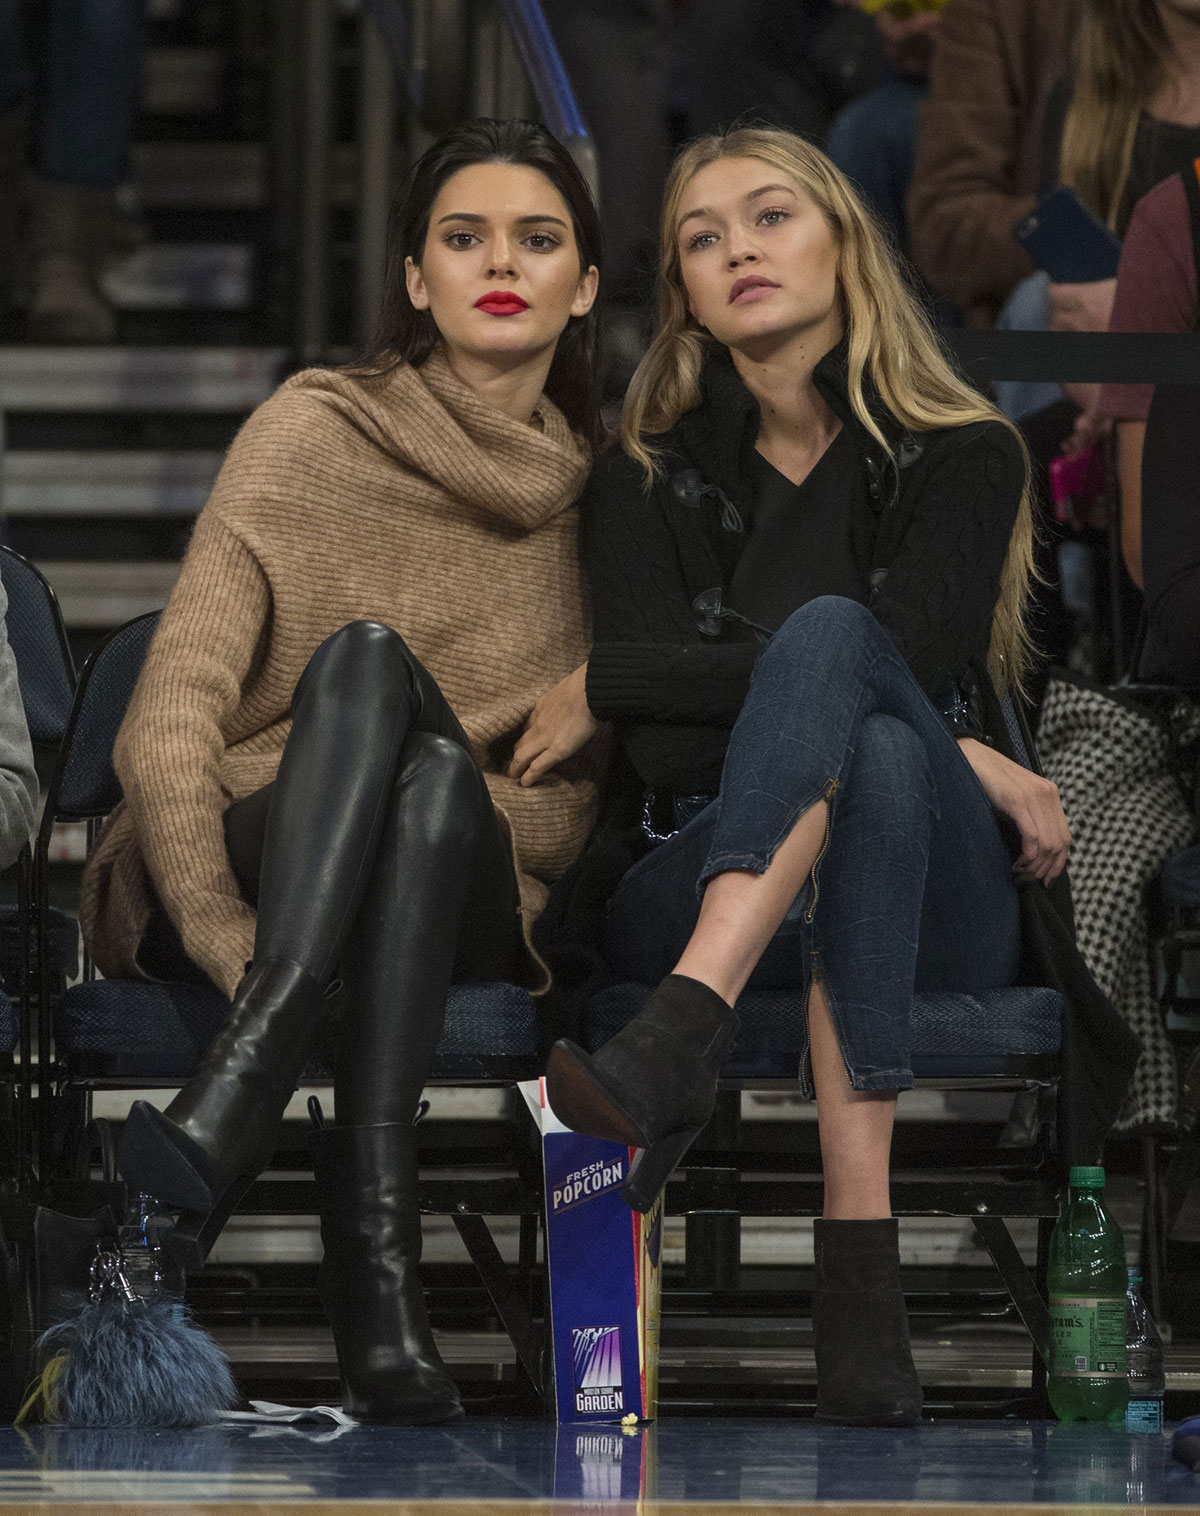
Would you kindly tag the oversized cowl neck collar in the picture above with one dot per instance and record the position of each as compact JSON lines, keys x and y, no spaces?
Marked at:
{"x":429,"y":422}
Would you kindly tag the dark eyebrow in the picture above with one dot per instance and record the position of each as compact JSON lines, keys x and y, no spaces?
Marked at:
{"x":766,"y":189}
{"x":521,"y":220}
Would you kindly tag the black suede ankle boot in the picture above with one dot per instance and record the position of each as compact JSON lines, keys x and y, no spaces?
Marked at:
{"x":369,"y":1281}
{"x":204,"y":1151}
{"x":653,"y":1085}
{"x":865,"y":1372}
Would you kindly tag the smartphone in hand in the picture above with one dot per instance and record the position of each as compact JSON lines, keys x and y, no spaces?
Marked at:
{"x":1062,"y":236}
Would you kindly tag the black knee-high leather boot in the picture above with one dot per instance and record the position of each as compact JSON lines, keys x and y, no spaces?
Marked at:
{"x":204,"y":1151}
{"x":317,"y":837}
{"x":369,"y":1280}
{"x":865,"y":1372}
{"x":442,"y":897}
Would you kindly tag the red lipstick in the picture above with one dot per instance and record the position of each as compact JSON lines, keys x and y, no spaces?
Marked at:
{"x":501,"y":303}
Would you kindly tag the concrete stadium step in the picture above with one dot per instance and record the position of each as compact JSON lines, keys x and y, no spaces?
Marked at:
{"x":98,"y":484}
{"x":55,"y":379}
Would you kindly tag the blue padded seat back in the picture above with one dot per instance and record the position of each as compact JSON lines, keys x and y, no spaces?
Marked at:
{"x":1179,"y":879}
{"x":87,"y":785}
{"x":135,"y":1029}
{"x":62,"y":940}
{"x":490,"y":1032}
{"x":45,"y":668}
{"x":8,"y":1024}
{"x":993,"y":1034}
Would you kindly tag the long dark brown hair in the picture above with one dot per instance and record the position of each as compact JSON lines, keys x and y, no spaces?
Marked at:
{"x":406,"y":335}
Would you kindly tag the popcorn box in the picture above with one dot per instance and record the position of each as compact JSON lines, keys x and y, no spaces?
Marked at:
{"x":603,"y":1265}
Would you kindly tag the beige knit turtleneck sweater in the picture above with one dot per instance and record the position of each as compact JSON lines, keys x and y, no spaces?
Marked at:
{"x":401,"y":499}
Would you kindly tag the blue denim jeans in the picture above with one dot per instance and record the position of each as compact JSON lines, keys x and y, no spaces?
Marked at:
{"x":90,"y":86}
{"x":914,"y":888}
{"x":16,"y":69}
{"x":873,"y":140}
{"x":1027,"y":309}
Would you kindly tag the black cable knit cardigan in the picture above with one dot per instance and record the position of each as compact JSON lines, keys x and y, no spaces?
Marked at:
{"x":930,"y":537}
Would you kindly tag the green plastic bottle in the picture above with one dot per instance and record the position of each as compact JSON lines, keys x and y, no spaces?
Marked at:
{"x":1088,"y":1380}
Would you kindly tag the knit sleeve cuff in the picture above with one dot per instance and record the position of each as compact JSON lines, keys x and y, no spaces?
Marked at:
{"x":654,"y":681}
{"x":622,"y":678}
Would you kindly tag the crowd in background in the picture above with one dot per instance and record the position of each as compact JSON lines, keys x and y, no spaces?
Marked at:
{"x":952,"y":118}
{"x":954,"y":121}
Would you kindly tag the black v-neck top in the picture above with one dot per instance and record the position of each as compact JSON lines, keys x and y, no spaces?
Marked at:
{"x":798,"y":542}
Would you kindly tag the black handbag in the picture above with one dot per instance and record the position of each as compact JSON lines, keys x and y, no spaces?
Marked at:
{"x":46,"y":1255}
{"x":117,"y":1354}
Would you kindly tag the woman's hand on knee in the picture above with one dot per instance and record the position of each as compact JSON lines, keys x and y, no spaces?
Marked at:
{"x":558,"y":726}
{"x":1031,"y":803}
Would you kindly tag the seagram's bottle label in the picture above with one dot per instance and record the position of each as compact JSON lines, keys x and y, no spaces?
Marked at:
{"x":1087,"y":1336}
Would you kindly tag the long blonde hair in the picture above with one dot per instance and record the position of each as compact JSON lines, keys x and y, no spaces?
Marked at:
{"x":1120,"y":54}
{"x":891,"y":344}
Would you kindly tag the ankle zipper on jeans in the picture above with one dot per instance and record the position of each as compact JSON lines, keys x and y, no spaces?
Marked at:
{"x":814,"y":977}
{"x":830,"y":791}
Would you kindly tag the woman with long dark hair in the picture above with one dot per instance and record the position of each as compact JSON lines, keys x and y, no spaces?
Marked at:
{"x":382,"y":596}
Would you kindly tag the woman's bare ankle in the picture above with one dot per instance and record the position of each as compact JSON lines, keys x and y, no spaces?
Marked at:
{"x":719,"y":980}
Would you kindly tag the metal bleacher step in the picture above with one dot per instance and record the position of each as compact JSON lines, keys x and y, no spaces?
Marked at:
{"x":156,"y":391}
{"x":219,"y":174}
{"x":929,"y":1242}
{"x":165,"y":276}
{"x":96,"y":596}
{"x":116,"y":379}
{"x":198,"y":173}
{"x":108,"y":453}
{"x":982,"y":1360}
{"x":77,"y":483}
{"x":182,"y":81}
{"x":192,"y":277}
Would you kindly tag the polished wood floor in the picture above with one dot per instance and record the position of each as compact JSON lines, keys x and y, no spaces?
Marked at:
{"x":675,"y":1467}
{"x":188,"y":1506}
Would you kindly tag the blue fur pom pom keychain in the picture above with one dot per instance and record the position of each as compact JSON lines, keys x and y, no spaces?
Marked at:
{"x":126,"y":1361}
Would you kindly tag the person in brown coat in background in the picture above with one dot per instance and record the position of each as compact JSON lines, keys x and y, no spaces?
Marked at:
{"x":980,"y":145}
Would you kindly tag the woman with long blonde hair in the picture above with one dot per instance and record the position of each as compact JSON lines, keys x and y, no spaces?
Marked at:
{"x":809,"y":564}
{"x":1130,"y":118}
{"x":1133,"y":116}
{"x":1131,"y":122}
{"x":1126,"y":117}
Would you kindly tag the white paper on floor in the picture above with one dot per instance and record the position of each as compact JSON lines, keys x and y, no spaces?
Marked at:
{"x":267,"y":1412}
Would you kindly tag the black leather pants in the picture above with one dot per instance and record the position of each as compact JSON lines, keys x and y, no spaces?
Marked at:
{"x":376,"y":857}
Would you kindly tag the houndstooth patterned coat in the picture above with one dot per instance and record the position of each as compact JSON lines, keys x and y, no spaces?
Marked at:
{"x":1110,"y":762}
